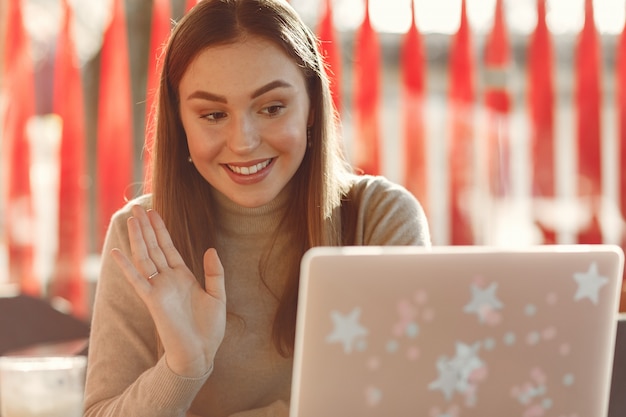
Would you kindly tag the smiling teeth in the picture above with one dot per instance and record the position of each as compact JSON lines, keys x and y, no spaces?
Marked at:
{"x":249,"y":170}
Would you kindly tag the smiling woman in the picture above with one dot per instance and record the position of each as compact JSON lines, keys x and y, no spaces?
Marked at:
{"x":249,"y":173}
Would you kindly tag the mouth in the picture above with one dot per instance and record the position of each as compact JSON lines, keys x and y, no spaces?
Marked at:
{"x":250,"y":170}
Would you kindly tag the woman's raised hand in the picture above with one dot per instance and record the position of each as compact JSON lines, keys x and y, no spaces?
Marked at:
{"x":190,"y":320}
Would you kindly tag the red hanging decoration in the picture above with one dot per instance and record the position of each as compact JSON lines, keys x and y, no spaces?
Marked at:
{"x":68,"y":281}
{"x":331,"y":51}
{"x":160,"y":31}
{"x":498,"y":105}
{"x":461,"y":146}
{"x":412,"y":60}
{"x":541,"y":109}
{"x":621,"y":120}
{"x":588,"y":76}
{"x":115,"y":139}
{"x":189,"y":4}
{"x":18,"y":84}
{"x":367,"y":98}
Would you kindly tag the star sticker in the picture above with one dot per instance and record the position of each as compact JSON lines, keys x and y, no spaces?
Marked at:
{"x":448,"y":378}
{"x":483,"y":301}
{"x":466,"y":361}
{"x":347,"y":329}
{"x":589,"y":283}
{"x":455,"y":373}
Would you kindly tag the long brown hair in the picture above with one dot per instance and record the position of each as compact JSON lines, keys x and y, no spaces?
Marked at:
{"x":182,"y":196}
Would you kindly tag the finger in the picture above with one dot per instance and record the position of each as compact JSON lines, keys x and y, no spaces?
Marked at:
{"x":214,"y":275}
{"x":151,"y":242}
{"x":172,"y":256}
{"x":138,"y":282}
{"x":139,"y":250}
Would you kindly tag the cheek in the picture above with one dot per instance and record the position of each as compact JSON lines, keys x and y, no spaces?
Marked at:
{"x":202,"y":147}
{"x":291,"y":139}
{"x":197,"y":141}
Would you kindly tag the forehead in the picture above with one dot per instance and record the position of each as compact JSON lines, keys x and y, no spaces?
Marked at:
{"x":246,"y":63}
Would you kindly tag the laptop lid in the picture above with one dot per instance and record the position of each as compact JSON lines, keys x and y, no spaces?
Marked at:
{"x":456,"y":331}
{"x":617,"y":399}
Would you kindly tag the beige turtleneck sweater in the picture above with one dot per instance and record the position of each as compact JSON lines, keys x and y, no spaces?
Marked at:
{"x":127,"y":375}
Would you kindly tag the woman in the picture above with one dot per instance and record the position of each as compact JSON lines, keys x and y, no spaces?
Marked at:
{"x":196,"y":302}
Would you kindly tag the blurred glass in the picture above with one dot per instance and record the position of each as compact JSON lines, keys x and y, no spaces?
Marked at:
{"x":46,"y":386}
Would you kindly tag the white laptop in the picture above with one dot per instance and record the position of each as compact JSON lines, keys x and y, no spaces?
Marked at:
{"x":456,"y":331}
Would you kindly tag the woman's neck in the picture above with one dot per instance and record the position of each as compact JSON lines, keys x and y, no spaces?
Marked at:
{"x":234,"y":218}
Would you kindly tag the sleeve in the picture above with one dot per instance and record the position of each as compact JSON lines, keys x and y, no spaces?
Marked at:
{"x":388,"y":214}
{"x":125,"y":376}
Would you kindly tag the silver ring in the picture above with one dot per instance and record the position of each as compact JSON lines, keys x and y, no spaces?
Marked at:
{"x":153,"y":275}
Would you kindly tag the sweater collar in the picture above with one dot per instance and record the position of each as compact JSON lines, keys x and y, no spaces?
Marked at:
{"x":236,"y":219}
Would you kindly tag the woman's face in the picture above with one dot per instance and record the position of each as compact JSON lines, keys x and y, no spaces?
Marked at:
{"x":245,"y":110}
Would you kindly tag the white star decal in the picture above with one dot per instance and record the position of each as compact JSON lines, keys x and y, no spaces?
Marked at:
{"x":589,"y":283}
{"x":448,"y":378}
{"x":465,"y":362}
{"x":455,"y":373}
{"x":347,"y":329}
{"x":483,"y":301}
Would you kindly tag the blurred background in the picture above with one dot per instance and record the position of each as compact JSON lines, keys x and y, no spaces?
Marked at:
{"x":506,"y":118}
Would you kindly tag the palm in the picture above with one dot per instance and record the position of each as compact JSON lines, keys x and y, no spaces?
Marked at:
{"x":190,"y":320}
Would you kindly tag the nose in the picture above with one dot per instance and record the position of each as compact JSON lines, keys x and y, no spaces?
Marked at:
{"x":244,"y":136}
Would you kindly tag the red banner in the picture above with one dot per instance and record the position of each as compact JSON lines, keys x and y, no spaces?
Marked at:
{"x":461,"y":141}
{"x":68,"y":280}
{"x":18,"y":84}
{"x":189,"y":4}
{"x":621,"y":120}
{"x":115,"y":138}
{"x":498,"y":105}
{"x":412,"y":62}
{"x":541,"y":112}
{"x":159,"y":33}
{"x":587,"y":102}
{"x":367,"y":98}
{"x":331,"y":51}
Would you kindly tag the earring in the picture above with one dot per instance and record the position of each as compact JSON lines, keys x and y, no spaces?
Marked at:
{"x":309,"y":142}
{"x":189,"y":159}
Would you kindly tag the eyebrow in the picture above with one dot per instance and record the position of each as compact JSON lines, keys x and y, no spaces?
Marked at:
{"x":205,"y":95}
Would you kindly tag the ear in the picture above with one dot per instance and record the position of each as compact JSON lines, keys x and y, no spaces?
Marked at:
{"x":311,"y":118}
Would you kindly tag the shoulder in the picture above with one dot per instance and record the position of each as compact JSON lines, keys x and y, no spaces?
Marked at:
{"x":385,"y":212}
{"x":371,"y":182}
{"x":124,"y":212}
{"x":370,"y":189}
{"x":119,"y":218}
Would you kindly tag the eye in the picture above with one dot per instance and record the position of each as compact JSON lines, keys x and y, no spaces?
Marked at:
{"x":215,"y":116}
{"x":273,"y":110}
